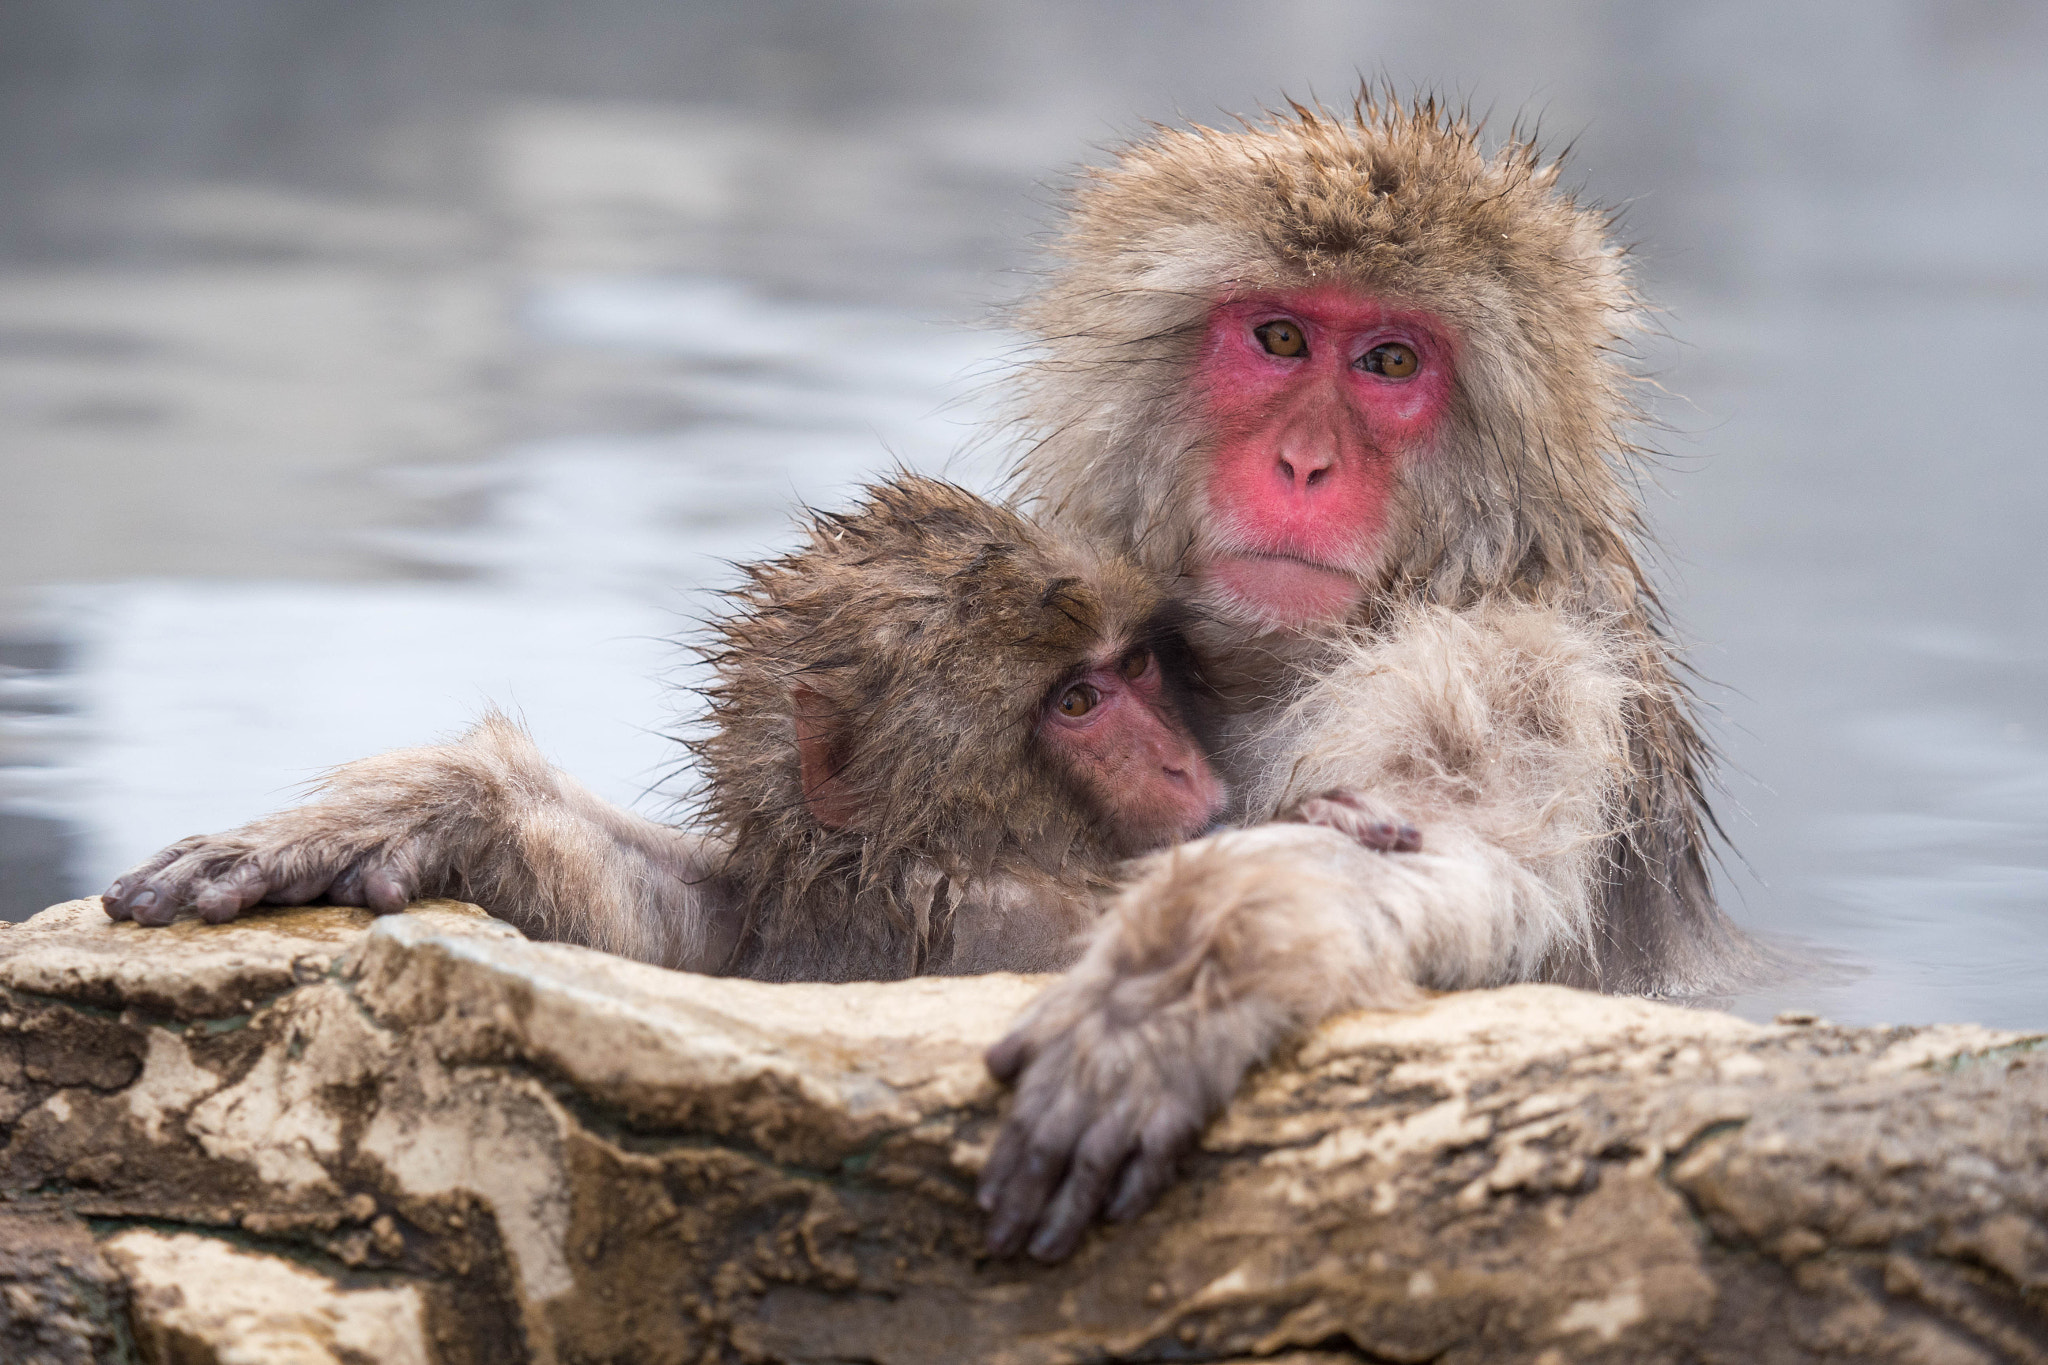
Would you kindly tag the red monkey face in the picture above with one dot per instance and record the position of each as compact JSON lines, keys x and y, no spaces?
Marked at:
{"x":1115,"y":729}
{"x":1317,"y":398}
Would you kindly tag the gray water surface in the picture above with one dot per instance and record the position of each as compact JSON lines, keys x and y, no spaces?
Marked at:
{"x":362,"y":367}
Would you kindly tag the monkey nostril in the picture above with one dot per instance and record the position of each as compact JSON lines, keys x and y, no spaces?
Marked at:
{"x":1316,"y":476}
{"x":1286,"y":470}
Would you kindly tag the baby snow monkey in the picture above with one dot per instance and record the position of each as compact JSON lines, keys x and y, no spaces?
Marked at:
{"x":937,"y":729}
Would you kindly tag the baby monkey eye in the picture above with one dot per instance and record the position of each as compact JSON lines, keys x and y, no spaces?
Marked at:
{"x":1135,"y":664}
{"x":1281,"y":338}
{"x":1078,"y":701}
{"x":1391,"y":359}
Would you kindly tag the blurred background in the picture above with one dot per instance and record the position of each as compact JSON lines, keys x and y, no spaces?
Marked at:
{"x":365,"y":362}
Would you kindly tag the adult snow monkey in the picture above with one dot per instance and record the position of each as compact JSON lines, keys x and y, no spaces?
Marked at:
{"x":1359,"y":384}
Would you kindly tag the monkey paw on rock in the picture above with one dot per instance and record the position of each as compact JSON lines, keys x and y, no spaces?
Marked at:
{"x":1109,"y":1094}
{"x":279,"y":861}
{"x":1358,"y":817}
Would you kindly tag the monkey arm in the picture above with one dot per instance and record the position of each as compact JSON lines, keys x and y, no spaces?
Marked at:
{"x":483,"y":819}
{"x":1501,"y":732}
{"x":1211,"y":956}
{"x":1498,"y":732}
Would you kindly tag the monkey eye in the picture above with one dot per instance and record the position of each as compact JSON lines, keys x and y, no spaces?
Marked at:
{"x":1079,"y":700}
{"x":1391,"y":359}
{"x":1135,"y":664}
{"x":1281,"y":337}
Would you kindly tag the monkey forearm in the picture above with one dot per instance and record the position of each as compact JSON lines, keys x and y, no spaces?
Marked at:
{"x":565,"y":866}
{"x":1211,"y":955}
{"x":1498,"y":732}
{"x":1309,"y":921}
{"x":483,"y":819}
{"x":1284,"y":924}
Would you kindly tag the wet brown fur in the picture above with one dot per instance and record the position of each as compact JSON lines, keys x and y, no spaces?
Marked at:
{"x":930,"y":629}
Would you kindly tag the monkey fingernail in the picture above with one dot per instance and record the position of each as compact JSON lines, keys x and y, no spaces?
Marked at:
{"x":1005,"y":1234}
{"x":1054,"y":1243}
{"x":386,"y":891}
{"x":1006,"y":1059}
{"x":151,"y":909}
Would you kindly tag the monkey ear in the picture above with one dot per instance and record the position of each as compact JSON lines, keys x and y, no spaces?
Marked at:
{"x":821,"y":752}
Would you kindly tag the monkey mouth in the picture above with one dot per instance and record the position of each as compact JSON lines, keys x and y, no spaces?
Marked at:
{"x":1283,"y":589}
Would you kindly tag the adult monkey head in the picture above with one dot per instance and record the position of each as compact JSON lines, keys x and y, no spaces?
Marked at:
{"x":1311,"y":360}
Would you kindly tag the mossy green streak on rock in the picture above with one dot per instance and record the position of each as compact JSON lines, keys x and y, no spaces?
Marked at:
{"x":428,"y":1139}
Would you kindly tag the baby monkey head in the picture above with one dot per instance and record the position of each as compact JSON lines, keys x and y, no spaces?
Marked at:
{"x":932,"y":675}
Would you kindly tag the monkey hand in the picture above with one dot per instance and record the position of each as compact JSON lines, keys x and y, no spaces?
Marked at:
{"x":389,"y":829}
{"x":1210,"y":955}
{"x":293,"y":858}
{"x":1109,"y":1095}
{"x":1358,"y":817}
{"x":1120,"y":1064}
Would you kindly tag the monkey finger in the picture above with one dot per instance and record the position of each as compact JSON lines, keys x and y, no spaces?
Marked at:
{"x":303,"y":889}
{"x":1348,"y":816}
{"x":153,"y":903}
{"x":393,"y":880}
{"x":119,"y":899}
{"x":1165,"y":1136}
{"x":1008,"y":1057}
{"x":1029,"y":1180}
{"x":222,"y":898}
{"x":1020,"y":1195}
{"x":1391,"y":836}
{"x":1382,"y":835}
{"x":1002,"y":1158}
{"x":1097,"y":1160}
{"x":387,"y":889}
{"x":1144,"y":1176}
{"x":347,"y":888}
{"x":1012,"y":1144}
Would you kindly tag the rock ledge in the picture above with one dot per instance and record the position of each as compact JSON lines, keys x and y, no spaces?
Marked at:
{"x":314,"y":1136}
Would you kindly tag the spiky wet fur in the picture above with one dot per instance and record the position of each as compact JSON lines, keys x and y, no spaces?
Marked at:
{"x":1528,"y":496}
{"x":928,"y":627}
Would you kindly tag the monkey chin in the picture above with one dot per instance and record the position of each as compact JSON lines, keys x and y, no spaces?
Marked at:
{"x":1281,"y":591}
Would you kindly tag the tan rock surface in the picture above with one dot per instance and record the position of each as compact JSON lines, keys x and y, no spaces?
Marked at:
{"x":198,"y":1299}
{"x":532,"y":1152}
